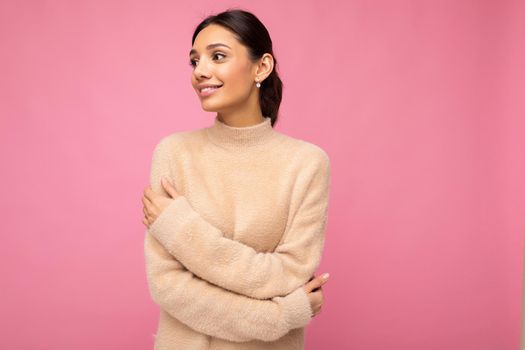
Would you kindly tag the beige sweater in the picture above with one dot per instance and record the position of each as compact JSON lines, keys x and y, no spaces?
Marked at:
{"x":226,"y":261}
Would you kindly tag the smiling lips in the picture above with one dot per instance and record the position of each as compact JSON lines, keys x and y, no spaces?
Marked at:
{"x":207,"y":91}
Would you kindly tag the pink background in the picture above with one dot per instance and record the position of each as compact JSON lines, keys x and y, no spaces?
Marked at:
{"x":420,"y":105}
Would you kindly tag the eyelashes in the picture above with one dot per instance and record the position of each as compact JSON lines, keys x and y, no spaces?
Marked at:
{"x":192,"y":62}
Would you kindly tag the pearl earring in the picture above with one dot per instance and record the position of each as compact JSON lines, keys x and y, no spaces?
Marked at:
{"x":258,"y":84}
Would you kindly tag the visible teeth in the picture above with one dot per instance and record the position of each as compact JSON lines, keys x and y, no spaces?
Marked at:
{"x":209,"y":88}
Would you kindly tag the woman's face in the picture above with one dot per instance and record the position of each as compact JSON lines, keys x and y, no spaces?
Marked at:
{"x":227,"y":66}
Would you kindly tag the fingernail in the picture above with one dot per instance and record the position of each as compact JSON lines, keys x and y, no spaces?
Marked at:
{"x":326,"y":275}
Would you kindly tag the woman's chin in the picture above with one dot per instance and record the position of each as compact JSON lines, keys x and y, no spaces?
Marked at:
{"x":209,"y":108}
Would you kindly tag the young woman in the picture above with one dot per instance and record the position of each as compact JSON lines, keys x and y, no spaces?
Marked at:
{"x":236,"y":212}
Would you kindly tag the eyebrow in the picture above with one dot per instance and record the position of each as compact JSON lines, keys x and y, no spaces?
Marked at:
{"x":209,"y":47}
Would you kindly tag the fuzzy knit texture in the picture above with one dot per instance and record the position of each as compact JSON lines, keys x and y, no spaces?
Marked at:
{"x":226,"y":261}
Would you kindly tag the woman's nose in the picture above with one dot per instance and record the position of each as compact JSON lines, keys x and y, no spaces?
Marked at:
{"x":200,"y":70}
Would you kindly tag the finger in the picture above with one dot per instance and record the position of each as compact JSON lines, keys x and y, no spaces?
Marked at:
{"x":147,"y":207}
{"x":146,"y":200}
{"x":317,"y":296}
{"x":168,"y":186}
{"x":145,"y":222}
{"x":318,"y":281}
{"x":149,"y":194}
{"x":323,"y":278}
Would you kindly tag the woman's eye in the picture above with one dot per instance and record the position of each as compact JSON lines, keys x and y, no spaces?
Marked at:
{"x":193,"y":62}
{"x":218,"y":53}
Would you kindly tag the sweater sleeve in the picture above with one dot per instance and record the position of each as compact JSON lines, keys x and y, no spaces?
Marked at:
{"x":214,"y":311}
{"x":235,"y":266}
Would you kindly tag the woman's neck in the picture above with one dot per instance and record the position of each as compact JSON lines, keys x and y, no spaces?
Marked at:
{"x":241,"y":118}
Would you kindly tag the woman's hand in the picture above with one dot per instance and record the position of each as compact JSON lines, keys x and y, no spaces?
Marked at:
{"x":315,"y":293}
{"x":155,"y":203}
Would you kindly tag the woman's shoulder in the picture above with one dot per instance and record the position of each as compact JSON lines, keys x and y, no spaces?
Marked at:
{"x":181,"y":138}
{"x":305,"y":150}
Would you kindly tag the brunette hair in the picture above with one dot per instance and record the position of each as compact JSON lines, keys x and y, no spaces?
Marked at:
{"x":250,"y":32}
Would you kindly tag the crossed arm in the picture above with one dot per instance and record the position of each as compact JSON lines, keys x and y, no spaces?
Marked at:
{"x":238,"y":267}
{"x":212,"y":310}
{"x":206,"y":307}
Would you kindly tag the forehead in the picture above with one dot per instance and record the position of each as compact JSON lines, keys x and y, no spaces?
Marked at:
{"x":214,"y":34}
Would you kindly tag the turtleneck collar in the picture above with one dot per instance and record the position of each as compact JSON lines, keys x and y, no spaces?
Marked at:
{"x":233,"y":138}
